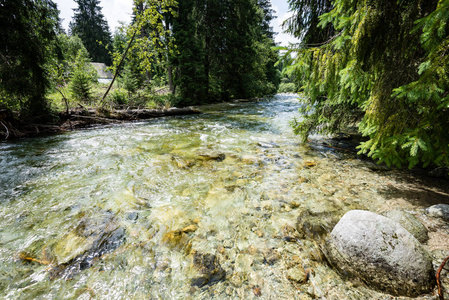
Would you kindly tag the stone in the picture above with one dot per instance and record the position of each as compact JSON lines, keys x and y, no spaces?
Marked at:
{"x":243,"y":262}
{"x":289,"y":233}
{"x":175,"y":239}
{"x":89,"y":234}
{"x":297,"y":274}
{"x":92,"y":238}
{"x":209,"y":268}
{"x":190,"y":228}
{"x":212,"y":156}
{"x":271,"y":256}
{"x":380,"y":252}
{"x":439,"y":211}
{"x":267,"y":145}
{"x":236,"y":280}
{"x":309,"y":164}
{"x":257,"y":290}
{"x":410,"y":223}
{"x":315,"y":225}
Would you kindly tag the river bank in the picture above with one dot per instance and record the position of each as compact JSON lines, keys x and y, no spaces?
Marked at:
{"x":83,"y":117}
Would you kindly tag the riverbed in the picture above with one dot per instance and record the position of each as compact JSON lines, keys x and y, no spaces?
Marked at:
{"x":228,"y":204}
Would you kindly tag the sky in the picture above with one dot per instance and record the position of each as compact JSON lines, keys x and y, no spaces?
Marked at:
{"x":121,"y":10}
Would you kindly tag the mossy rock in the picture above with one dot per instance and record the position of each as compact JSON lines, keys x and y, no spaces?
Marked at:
{"x":410,"y":223}
{"x":209,"y":269}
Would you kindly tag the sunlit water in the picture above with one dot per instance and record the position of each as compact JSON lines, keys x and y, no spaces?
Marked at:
{"x":126,"y":212}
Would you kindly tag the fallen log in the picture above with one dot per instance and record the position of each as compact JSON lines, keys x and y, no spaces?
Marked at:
{"x":80,"y":118}
{"x":140,"y":114}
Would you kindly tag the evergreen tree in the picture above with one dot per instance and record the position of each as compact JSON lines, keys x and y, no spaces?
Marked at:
{"x":386,"y":70}
{"x":91,"y":26}
{"x":27,"y":32}
{"x":191,"y":38}
{"x":224,"y":49}
{"x":303,"y":24}
{"x":82,"y":77}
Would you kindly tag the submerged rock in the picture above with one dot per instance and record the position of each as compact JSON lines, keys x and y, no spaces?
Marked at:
{"x":315,"y":225}
{"x":410,"y":223}
{"x":268,"y":145}
{"x":210,"y":270}
{"x":439,"y":211}
{"x":297,"y":274}
{"x":90,"y":239}
{"x":382,"y":253}
{"x":190,"y":228}
{"x":271,"y":256}
{"x":175,"y":239}
{"x":212,"y":156}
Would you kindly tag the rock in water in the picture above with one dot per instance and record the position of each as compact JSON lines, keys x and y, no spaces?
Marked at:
{"x":382,"y":253}
{"x":439,"y":211}
{"x":210,"y":270}
{"x":90,"y":239}
{"x":410,"y":223}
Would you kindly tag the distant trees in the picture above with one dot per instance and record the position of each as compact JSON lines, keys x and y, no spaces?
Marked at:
{"x":90,"y":25}
{"x":384,"y":66}
{"x":208,"y":50}
{"x":224,"y":50}
{"x":27,"y":42}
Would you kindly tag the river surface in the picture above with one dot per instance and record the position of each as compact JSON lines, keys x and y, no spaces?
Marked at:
{"x":225,"y":205}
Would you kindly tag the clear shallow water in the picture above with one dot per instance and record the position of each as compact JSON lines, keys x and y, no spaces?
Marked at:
{"x":153,"y":210}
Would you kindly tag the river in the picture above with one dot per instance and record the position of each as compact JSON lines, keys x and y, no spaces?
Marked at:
{"x":226,"y":205}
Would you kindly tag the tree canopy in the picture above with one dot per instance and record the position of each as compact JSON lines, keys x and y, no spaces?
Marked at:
{"x":385,"y":70}
{"x":208,"y":50}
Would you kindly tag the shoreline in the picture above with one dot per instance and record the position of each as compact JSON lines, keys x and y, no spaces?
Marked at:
{"x":11,"y":129}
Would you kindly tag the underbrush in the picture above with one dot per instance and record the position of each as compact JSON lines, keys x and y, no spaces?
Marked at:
{"x":118,"y":98}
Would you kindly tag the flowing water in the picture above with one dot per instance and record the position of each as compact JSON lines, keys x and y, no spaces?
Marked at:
{"x":226,"y":205}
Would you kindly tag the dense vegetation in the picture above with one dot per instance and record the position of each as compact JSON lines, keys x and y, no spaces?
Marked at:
{"x":380,"y":65}
{"x":183,"y":52}
{"x":27,"y":42}
{"x":207,"y":50}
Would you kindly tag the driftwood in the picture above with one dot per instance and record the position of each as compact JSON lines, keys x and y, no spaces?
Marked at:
{"x":139,"y":114}
{"x":440,"y":288}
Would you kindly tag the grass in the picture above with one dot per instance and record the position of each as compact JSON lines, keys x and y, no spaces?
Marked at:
{"x":117,"y":98}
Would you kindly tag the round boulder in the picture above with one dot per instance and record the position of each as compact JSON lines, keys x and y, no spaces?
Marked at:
{"x":381,"y":252}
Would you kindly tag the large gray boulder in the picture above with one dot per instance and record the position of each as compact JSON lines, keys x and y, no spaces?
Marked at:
{"x":381,"y":252}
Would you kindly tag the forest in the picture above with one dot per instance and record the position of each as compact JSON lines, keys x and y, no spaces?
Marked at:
{"x":201,"y":51}
{"x":377,"y":67}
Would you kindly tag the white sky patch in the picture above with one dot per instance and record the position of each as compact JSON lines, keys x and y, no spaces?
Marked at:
{"x":282,"y":14}
{"x":113,"y":10}
{"x":117,"y":10}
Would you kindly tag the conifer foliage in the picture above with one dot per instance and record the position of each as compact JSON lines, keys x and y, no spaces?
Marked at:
{"x":386,"y":70}
{"x":90,"y":25}
{"x":27,"y":34}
